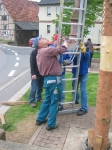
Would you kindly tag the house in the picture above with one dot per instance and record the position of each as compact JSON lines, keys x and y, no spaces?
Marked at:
{"x":19,"y":20}
{"x":47,"y":12}
{"x":95,"y":32}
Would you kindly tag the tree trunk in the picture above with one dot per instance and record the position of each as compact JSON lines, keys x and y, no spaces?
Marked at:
{"x":104,"y":94}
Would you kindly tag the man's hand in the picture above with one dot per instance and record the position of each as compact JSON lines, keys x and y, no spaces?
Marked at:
{"x":82,"y":47}
{"x":34,"y":77}
{"x":66,"y":62}
{"x":65,"y":44}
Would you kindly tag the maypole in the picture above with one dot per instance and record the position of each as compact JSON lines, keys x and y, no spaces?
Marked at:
{"x":99,"y":137}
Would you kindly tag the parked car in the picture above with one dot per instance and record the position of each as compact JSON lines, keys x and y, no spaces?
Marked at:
{"x":31,"y":42}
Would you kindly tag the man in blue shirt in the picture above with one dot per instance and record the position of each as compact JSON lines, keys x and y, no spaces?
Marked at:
{"x":83,"y":76}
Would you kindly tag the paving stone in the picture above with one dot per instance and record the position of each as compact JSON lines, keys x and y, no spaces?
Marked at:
{"x":70,"y":133}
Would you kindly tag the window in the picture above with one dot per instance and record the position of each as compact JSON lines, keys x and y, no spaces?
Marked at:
{"x":4,"y":17}
{"x":4,"y":27}
{"x":58,"y":10}
{"x":49,"y":11}
{"x":48,"y":28}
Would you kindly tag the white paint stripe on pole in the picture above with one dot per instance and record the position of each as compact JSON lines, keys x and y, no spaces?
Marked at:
{"x":16,"y":54}
{"x":17,"y":64}
{"x":11,"y":73}
{"x":17,"y":58}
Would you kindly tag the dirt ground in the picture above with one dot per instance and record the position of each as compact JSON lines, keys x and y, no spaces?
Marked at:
{"x":25,"y":130}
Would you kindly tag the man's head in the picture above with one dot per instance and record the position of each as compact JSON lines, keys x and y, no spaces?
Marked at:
{"x":89,"y":39}
{"x":35,"y":43}
{"x":42,"y":43}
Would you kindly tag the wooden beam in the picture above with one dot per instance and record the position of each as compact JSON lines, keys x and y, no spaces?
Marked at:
{"x":98,"y":142}
{"x":14,"y":103}
{"x":2,"y":118}
{"x":90,"y":138}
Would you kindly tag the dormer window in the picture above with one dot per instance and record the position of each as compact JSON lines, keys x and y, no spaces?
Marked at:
{"x":48,"y":11}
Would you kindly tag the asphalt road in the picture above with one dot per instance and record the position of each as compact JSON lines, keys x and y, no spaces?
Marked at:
{"x":14,"y":70}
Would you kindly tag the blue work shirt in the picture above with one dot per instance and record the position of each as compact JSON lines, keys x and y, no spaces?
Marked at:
{"x":83,"y":63}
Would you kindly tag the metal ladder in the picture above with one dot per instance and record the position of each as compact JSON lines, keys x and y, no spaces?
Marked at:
{"x":77,"y":50}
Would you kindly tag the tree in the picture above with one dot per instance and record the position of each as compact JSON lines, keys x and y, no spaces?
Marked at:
{"x":94,"y":10}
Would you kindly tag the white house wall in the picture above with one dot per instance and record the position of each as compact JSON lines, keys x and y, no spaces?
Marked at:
{"x":43,"y":30}
{"x":95,"y":34}
{"x":45,"y":20}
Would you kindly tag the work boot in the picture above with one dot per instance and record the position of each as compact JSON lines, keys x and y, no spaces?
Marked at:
{"x":48,"y":128}
{"x":33,"y":105}
{"x":40,"y":123}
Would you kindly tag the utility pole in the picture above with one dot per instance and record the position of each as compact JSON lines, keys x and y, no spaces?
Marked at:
{"x":100,"y":140}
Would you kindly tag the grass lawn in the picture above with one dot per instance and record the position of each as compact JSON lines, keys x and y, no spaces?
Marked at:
{"x":96,"y":55}
{"x":91,"y":88}
{"x":17,"y":113}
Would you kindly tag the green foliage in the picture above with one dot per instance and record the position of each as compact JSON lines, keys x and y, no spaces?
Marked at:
{"x":66,"y":18}
{"x":93,"y":11}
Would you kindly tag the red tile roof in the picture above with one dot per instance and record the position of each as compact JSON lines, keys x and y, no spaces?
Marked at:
{"x":22,"y":10}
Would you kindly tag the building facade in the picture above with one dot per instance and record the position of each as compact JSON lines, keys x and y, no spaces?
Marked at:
{"x":18,"y":21}
{"x":47,"y":12}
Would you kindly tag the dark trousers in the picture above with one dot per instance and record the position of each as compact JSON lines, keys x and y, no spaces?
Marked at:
{"x":36,"y":89}
{"x":89,"y":63}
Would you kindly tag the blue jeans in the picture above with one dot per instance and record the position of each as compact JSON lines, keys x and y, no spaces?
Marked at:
{"x":82,"y":81}
{"x":36,"y":89}
{"x":53,"y":93}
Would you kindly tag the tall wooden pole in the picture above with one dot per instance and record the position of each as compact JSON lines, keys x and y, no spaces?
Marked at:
{"x":104,"y":94}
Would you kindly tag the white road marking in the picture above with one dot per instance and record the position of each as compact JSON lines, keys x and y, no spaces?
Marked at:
{"x":14,"y":79}
{"x":11,"y":73}
{"x":3,"y":47}
{"x":16,"y":54}
{"x":8,"y":49}
{"x":13,"y":51}
{"x":0,"y":46}
{"x":17,"y":58}
{"x":17,"y":64}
